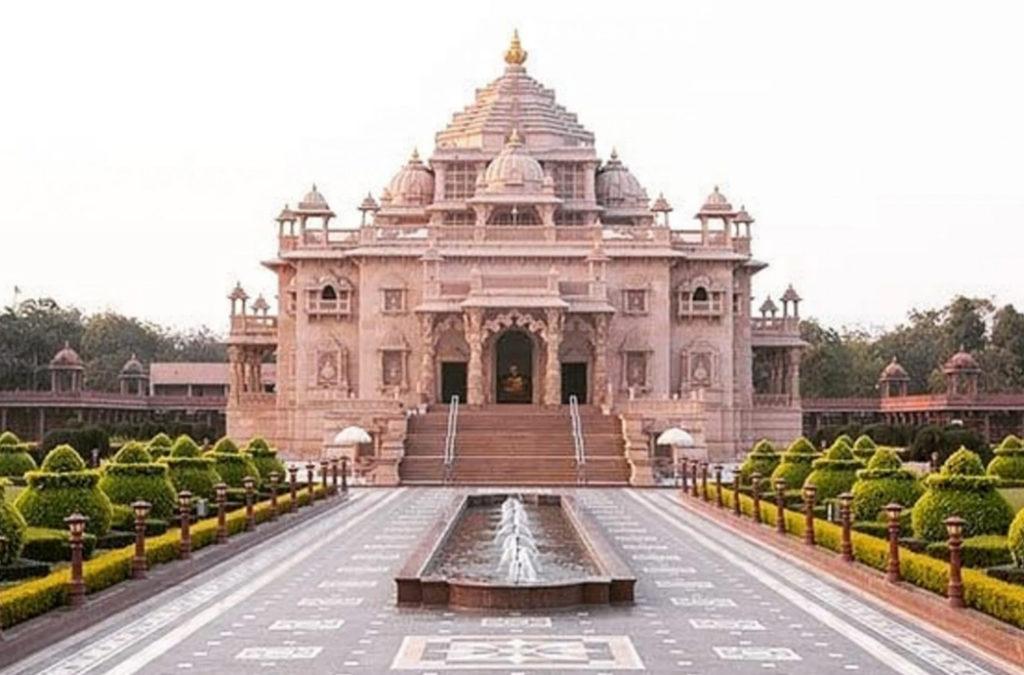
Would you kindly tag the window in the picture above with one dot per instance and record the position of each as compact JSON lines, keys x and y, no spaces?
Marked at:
{"x":700,"y":301}
{"x":330,"y":300}
{"x":328,"y":293}
{"x":635,"y":301}
{"x":570,"y":180}
{"x":636,"y":370}
{"x":460,"y":180}
{"x":459,"y":218}
{"x":570,"y":218}
{"x":394,"y":300}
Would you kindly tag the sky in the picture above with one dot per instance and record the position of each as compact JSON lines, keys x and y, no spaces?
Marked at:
{"x":145,"y":148}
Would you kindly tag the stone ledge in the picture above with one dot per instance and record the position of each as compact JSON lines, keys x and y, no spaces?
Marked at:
{"x":973,"y":630}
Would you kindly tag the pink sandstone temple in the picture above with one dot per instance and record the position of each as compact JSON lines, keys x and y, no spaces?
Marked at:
{"x":518,"y":271}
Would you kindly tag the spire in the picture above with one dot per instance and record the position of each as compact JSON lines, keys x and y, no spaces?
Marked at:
{"x":415,"y":157}
{"x":515,"y":55}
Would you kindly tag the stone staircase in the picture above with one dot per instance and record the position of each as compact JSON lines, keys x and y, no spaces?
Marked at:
{"x":514,"y":445}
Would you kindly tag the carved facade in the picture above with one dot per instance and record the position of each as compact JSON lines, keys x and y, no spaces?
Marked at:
{"x":514,"y":265}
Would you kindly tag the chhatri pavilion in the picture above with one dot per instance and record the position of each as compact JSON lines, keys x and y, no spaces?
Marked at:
{"x":515,"y":269}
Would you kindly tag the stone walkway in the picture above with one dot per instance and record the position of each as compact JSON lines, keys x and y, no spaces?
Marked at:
{"x":320,"y":600}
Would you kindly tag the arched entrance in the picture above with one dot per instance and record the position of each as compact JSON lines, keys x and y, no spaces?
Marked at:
{"x":514,"y":371}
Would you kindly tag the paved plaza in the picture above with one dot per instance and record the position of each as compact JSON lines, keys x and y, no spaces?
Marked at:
{"x":320,"y":599}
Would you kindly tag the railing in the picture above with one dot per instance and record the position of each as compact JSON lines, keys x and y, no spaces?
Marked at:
{"x":577,"y":440}
{"x":449,"y":439}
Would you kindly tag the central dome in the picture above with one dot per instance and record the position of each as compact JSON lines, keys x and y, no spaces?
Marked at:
{"x":513,"y":170}
{"x":413,"y":185}
{"x":616,"y":187}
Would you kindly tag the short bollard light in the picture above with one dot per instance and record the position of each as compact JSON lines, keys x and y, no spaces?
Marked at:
{"x":810,"y":492}
{"x":324,"y":476}
{"x":704,"y":482}
{"x":3,"y":551}
{"x":293,"y":478}
{"x":185,"y":515}
{"x":275,"y":478}
{"x":755,"y":492}
{"x":955,"y":587}
{"x":736,"y":478}
{"x":222,"y":512}
{"x":845,"y":517}
{"x":684,"y":464}
{"x":76,"y":530}
{"x":139,"y":566}
{"x":780,"y":505}
{"x":892,"y":511}
{"x":344,"y":474}
{"x":249,"y":483}
{"x":310,"y":482}
{"x":694,"y":487}
{"x":719,"y":497}
{"x":334,"y":476}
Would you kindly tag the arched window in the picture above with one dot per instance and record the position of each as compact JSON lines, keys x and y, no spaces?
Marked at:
{"x":328,"y":293}
{"x":700,"y":294}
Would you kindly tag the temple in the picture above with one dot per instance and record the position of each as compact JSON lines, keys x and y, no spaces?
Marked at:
{"x":514,"y":270}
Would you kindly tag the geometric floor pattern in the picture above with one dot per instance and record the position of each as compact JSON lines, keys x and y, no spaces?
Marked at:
{"x":320,"y":599}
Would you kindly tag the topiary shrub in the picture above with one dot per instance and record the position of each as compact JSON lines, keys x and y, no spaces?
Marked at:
{"x":265,"y":458}
{"x":232,"y":465}
{"x":12,"y":526}
{"x":15,"y":460}
{"x":761,"y":459}
{"x":796,"y":463}
{"x":133,"y":475}
{"x":1008,"y":463}
{"x":189,"y":470}
{"x":61,"y":487}
{"x":53,"y":545}
{"x":160,"y":445}
{"x":864,"y":448}
{"x":962,"y":489}
{"x":987,"y":550}
{"x":1015,"y":539}
{"x":834,"y":473}
{"x":846,"y":439}
{"x":884,"y":481}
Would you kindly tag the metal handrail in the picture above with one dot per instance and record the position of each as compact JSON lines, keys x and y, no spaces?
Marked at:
{"x":577,"y":440}
{"x":449,"y":438}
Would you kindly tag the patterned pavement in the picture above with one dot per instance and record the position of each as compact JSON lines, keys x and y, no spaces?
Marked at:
{"x":321,"y":600}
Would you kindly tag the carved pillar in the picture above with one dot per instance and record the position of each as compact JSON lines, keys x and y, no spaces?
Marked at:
{"x":553,"y":376}
{"x":794,"y":377}
{"x":425,"y":386}
{"x":601,"y":359}
{"x":474,"y":327}
{"x":234,"y":373}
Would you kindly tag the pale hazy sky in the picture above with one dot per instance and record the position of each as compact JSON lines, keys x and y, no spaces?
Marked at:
{"x":146,"y":147}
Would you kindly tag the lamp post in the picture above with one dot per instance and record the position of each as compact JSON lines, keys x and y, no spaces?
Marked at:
{"x":780,"y":505}
{"x":323,"y":475}
{"x":810,"y":492}
{"x":334,"y":476}
{"x":846,"y":548}
{"x":736,"y":494}
{"x":310,"y":483}
{"x":704,"y":482}
{"x":892,"y":573}
{"x":3,"y":552}
{"x":719,"y":497}
{"x":275,"y":478}
{"x":293,"y":477}
{"x":76,"y":587}
{"x":955,"y":587}
{"x":344,"y":474}
{"x":249,"y":483}
{"x":755,"y":485}
{"x":185,"y":514}
{"x":139,"y":565}
{"x":684,"y":463}
{"x":693,"y":476}
{"x":222,"y":512}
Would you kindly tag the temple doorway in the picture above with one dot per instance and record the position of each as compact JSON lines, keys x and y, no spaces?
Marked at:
{"x":453,"y":381}
{"x":514,"y":368}
{"x":574,"y":382}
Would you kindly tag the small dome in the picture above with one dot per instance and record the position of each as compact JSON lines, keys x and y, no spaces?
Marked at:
{"x":661,"y":204}
{"x":769,"y":306}
{"x":961,"y":361}
{"x":715,"y":205}
{"x":616,"y":187}
{"x":513,"y":170}
{"x":791,"y":295}
{"x":368,"y":203}
{"x":133,"y":367}
{"x":66,"y":358}
{"x":261,"y":304}
{"x":742,"y":216}
{"x":286,"y":215}
{"x":413,"y":185}
{"x":238,"y":293}
{"x":893,"y":372}
{"x":314,"y":202}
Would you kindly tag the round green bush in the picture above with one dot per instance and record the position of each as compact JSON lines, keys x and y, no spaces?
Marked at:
{"x":61,"y":487}
{"x":1008,"y":462}
{"x":795,"y":464}
{"x":884,"y":481}
{"x":185,"y":447}
{"x":160,"y":445}
{"x":265,"y":459}
{"x":834,"y":473}
{"x":133,"y":475}
{"x":864,"y":448}
{"x":1015,"y":539}
{"x":761,"y":459}
{"x":15,"y":461}
{"x":9,"y":438}
{"x":225,"y":446}
{"x":961,"y":488}
{"x":234,"y":467}
{"x":12,"y":526}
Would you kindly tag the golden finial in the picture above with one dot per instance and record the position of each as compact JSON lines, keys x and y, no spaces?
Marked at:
{"x":515,"y":55}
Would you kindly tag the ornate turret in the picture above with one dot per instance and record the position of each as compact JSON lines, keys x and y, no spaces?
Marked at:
{"x":238,"y":295}
{"x":132,"y":378}
{"x":769,"y":308}
{"x":66,"y":370}
{"x":894,"y":380}
{"x":962,"y":373}
{"x":791,"y":296}
{"x":314,"y":205}
{"x":716,"y":207}
{"x":413,"y":185}
{"x":368,"y":205}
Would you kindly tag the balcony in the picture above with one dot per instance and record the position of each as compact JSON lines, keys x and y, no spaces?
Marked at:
{"x":254,"y":329}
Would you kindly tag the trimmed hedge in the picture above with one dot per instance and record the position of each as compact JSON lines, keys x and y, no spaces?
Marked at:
{"x":12,"y":526}
{"x":884,"y":481}
{"x":265,"y":459}
{"x":796,"y":463}
{"x":26,"y":600}
{"x":160,"y":445}
{"x":62,"y":487}
{"x":1015,"y":539}
{"x":834,"y":473}
{"x":53,"y":545}
{"x":15,"y":459}
{"x":134,"y":475}
{"x":987,"y":550}
{"x":864,"y":448}
{"x":1008,"y":463}
{"x":232,"y":465}
{"x":962,"y":489}
{"x":195,"y":474}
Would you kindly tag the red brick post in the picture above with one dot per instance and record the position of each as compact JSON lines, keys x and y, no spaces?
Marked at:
{"x":76,"y":587}
{"x":293,"y":477}
{"x":311,"y":480}
{"x":955,"y":587}
{"x":704,"y":482}
{"x":846,"y":548}
{"x":324,"y":476}
{"x":334,"y":476}
{"x":719,"y":497}
{"x":250,"y":517}
{"x":185,"y":514}
{"x":780,"y":505}
{"x":275,"y":478}
{"x":344,"y":474}
{"x":139,"y":565}
{"x":810,"y":492}
{"x":755,"y":485}
{"x":694,"y":486}
{"x":222,"y":512}
{"x":684,"y":463}
{"x":736,"y":494}
{"x":892,"y":573}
